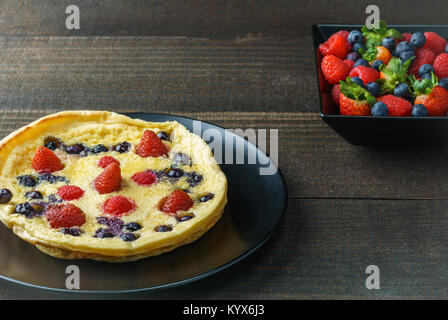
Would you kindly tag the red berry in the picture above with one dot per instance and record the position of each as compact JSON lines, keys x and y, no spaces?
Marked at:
{"x":65,"y":216}
{"x":366,"y":74}
{"x":109,"y":180}
{"x":70,"y":192}
{"x":398,"y":107}
{"x":435,"y":43}
{"x":105,"y":161}
{"x":328,"y":105}
{"x":335,"y":92}
{"x":144,"y":178}
{"x":334,"y":69}
{"x":45,"y":161}
{"x":349,"y":63}
{"x":118,"y":206}
{"x":405,"y":37}
{"x":336,"y":45}
{"x":151,"y":146}
{"x":177,"y":201}
{"x":441,"y":65}
{"x":422,"y":56}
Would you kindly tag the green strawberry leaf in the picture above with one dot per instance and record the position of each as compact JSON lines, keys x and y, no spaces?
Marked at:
{"x":374,"y":37}
{"x":395,"y":73}
{"x":423,"y":86}
{"x":353,"y":91}
{"x":394,"y":33}
{"x":369,"y":54}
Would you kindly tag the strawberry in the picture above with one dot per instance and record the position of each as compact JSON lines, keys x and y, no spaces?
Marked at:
{"x":334,"y":69}
{"x":398,"y":107}
{"x":45,"y":161}
{"x":335,"y":91}
{"x":336,"y":45}
{"x":354,"y":100}
{"x":65,"y":216}
{"x":151,"y":146}
{"x":428,"y":93}
{"x":144,"y":178}
{"x":105,"y":161}
{"x":328,"y":105}
{"x":178,"y":200}
{"x":366,"y":74}
{"x":441,"y":65}
{"x":422,"y":56}
{"x":394,"y":73}
{"x":118,"y":206}
{"x":70,"y":192}
{"x":435,"y":43}
{"x":109,"y":180}
{"x":377,"y":53}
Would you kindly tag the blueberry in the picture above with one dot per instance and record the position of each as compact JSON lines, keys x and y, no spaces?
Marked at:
{"x":406,"y":55}
{"x":403,"y":46}
{"x":418,"y":39}
{"x":358,"y":46}
{"x":114,"y":225}
{"x":51,"y":178}
{"x":426,"y":76}
{"x":34,"y":195}
{"x":52,"y":198}
{"x":379,"y":109}
{"x":129,"y":237}
{"x":444,"y":83}
{"x":194,"y":179}
{"x":25,"y":209}
{"x":52,"y":143}
{"x":75,"y":232}
{"x":103,"y":233}
{"x":361,"y":62}
{"x":100,"y":148}
{"x":389,"y":43}
{"x":74,"y":148}
{"x":376,"y":64}
{"x":175,"y":173}
{"x":426,"y":68}
{"x":354,"y":56}
{"x":374,"y":88}
{"x":185,"y":217}
{"x":446,"y":48}
{"x":27,"y":180}
{"x":401,"y":90}
{"x":133,"y":226}
{"x":206,"y":197}
{"x":355,"y":36}
{"x":163,"y":136}
{"x":164,"y":228}
{"x":122,"y":147}
{"x":419,"y":110}
{"x":5,"y":195}
{"x":358,"y":81}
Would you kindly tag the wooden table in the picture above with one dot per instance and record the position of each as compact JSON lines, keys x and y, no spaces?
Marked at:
{"x":246,"y":64}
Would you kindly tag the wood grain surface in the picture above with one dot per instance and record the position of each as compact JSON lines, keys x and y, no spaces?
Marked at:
{"x":246,"y":64}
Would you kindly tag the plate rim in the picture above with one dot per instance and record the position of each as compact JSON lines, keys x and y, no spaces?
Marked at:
{"x":190,"y":279}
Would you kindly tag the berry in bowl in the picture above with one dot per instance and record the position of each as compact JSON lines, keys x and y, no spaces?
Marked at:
{"x":386,"y":86}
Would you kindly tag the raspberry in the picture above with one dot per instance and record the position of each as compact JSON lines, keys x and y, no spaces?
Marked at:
{"x":118,"y":206}
{"x":151,"y":146}
{"x":335,"y":92}
{"x":435,"y":42}
{"x":441,"y":65}
{"x":177,"y":201}
{"x":144,"y":178}
{"x":70,"y":192}
{"x":109,"y":180}
{"x":336,"y":45}
{"x":45,"y":161}
{"x":65,"y":216}
{"x":422,"y":56}
{"x":105,"y":161}
{"x":349,"y":63}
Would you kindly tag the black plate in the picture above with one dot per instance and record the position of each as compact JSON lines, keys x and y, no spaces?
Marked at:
{"x":255,"y":207}
{"x":383,"y":131}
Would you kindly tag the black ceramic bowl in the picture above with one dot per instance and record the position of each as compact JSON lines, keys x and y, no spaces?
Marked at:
{"x":383,"y":131}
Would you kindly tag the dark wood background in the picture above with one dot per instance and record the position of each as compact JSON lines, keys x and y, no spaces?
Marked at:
{"x":246,"y":64}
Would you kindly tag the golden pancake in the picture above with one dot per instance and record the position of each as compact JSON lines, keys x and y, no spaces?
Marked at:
{"x":80,"y":139}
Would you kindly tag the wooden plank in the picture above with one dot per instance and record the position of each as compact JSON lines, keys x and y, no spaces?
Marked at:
{"x":316,"y":162}
{"x":163,"y":74}
{"x":321,"y":251}
{"x":214,"y":19}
